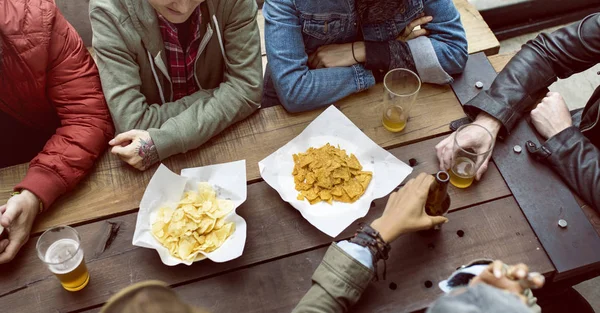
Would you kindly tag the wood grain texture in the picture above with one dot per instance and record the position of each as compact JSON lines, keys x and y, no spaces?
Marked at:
{"x":275,"y":230}
{"x":499,"y":61}
{"x":479,"y":35}
{"x":114,"y":187}
{"x":492,"y":230}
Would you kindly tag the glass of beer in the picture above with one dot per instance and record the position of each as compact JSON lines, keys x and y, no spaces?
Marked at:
{"x":60,"y":249}
{"x":401,"y":87}
{"x":468,"y":155}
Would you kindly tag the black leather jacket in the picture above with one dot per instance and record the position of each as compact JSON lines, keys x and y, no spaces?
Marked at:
{"x":575,"y":152}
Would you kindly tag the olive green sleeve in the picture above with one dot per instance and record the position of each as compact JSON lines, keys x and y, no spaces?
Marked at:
{"x":233,"y":100}
{"x":337,"y":284}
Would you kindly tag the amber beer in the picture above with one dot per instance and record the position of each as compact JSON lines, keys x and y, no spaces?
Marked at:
{"x":438,"y":200}
{"x":394,"y":119}
{"x":462,"y":172}
{"x":66,"y":262}
{"x":60,"y":249}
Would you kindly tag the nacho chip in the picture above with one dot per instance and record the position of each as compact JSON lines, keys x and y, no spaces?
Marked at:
{"x":327,"y":174}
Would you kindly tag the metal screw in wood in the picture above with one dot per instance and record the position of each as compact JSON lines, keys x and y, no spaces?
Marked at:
{"x":562,"y":223}
{"x":517,"y":149}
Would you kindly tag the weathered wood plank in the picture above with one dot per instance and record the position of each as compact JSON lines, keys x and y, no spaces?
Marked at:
{"x":114,"y":187}
{"x":479,"y":35}
{"x":494,"y":230}
{"x":499,"y":61}
{"x":275,"y":230}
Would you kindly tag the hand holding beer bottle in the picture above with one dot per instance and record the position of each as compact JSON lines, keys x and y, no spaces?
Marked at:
{"x":405,"y":210}
{"x":18,"y":215}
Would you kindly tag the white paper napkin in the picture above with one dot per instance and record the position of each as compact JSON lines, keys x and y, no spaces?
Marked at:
{"x":333,"y":127}
{"x":167,"y":188}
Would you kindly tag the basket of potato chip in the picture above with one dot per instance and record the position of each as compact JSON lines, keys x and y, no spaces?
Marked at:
{"x":332,"y":172}
{"x":192,"y":217}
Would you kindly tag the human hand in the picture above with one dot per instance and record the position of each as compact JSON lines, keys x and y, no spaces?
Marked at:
{"x":514,"y":279}
{"x":477,"y":139}
{"x":410,"y":32}
{"x":18,"y":215}
{"x":405,"y":210}
{"x":337,"y":55}
{"x":136,"y":148}
{"x":551,"y":116}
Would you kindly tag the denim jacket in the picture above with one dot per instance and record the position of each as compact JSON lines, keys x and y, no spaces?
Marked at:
{"x":296,"y":28}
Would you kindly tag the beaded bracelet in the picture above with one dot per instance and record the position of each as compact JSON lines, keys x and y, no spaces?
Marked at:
{"x":368,"y":237}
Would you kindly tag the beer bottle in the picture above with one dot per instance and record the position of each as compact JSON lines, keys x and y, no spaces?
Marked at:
{"x":438,"y":200}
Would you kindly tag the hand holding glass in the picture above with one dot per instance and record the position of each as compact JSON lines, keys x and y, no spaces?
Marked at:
{"x":469,"y":154}
{"x":401,"y":87}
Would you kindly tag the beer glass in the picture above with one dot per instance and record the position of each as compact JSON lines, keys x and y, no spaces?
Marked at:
{"x":60,"y":249}
{"x":401,"y":87}
{"x":468,"y":155}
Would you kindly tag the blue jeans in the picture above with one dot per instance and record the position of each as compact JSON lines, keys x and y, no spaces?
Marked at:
{"x":296,"y":28}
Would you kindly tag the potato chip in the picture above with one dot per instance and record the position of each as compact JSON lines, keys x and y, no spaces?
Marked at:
{"x":196,"y":225}
{"x":327,"y":174}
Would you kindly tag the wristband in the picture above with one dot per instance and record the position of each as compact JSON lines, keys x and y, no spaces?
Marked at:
{"x":12,"y":194}
{"x":368,"y":237}
{"x":353,"y":55}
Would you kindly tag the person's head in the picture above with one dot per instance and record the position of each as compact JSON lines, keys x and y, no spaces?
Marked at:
{"x":479,"y":298}
{"x":175,"y":11}
{"x":148,"y":297}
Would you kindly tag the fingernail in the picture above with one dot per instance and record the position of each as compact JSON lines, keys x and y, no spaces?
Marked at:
{"x":429,"y":18}
{"x":521,"y":273}
{"x":497,"y":273}
{"x":111,"y":142}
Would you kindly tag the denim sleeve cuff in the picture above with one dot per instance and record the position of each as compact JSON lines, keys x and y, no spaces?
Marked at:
{"x":359,"y":253}
{"x":364,"y":78}
{"x":428,"y":66}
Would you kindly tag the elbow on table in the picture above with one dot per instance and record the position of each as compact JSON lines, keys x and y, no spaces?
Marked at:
{"x":291,"y":105}
{"x":293,"y":100}
{"x":456,"y":61}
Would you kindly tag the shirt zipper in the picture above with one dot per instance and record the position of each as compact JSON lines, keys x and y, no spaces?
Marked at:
{"x":203,"y":44}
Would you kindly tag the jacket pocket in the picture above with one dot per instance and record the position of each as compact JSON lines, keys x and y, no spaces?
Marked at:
{"x":408,"y":12}
{"x":326,"y":28}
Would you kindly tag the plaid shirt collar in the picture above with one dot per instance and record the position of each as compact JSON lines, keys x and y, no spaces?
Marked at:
{"x":181,"y":63}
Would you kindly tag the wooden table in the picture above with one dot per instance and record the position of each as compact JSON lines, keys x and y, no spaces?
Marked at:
{"x":282,"y":249}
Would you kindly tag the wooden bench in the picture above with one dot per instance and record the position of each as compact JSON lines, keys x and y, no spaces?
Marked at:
{"x":479,"y":35}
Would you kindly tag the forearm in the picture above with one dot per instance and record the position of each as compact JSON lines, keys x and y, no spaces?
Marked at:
{"x":569,"y":50}
{"x":202,"y":121}
{"x":302,"y":89}
{"x":577,"y":161}
{"x":338,"y":283}
{"x":443,"y":52}
{"x":382,"y":57}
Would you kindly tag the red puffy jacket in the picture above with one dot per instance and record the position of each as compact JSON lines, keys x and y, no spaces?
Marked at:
{"x":56,"y":89}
